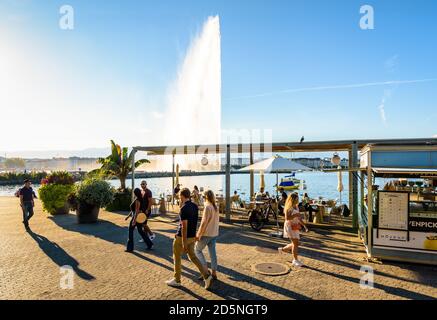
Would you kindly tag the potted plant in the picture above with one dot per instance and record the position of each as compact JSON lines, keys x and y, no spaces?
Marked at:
{"x":88,"y":197}
{"x":54,"y":192}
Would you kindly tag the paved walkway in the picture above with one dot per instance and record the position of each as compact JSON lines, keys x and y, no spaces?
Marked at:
{"x":30,"y":263}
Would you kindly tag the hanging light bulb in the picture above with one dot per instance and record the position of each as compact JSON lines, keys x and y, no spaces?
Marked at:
{"x":204,"y":160}
{"x":336,"y":159}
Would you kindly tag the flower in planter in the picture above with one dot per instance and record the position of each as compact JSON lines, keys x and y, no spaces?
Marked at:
{"x":88,"y":197}
{"x":54,"y":192}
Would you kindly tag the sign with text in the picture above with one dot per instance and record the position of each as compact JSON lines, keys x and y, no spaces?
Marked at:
{"x":393,"y":210}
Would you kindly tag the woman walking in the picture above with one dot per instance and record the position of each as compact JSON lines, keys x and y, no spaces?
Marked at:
{"x":138,"y":220}
{"x":292,"y":226}
{"x":208,"y":233}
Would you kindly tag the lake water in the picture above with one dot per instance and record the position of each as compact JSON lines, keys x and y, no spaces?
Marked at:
{"x":319,"y":184}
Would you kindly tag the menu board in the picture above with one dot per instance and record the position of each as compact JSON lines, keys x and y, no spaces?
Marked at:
{"x":393,"y":210}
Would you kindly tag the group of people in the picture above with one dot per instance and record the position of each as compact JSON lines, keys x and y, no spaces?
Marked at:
{"x":189,"y":238}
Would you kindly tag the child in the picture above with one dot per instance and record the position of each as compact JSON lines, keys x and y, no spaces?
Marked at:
{"x":293,"y":224}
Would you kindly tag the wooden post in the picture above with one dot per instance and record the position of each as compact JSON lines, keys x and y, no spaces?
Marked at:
{"x":369,"y":204}
{"x":172,"y":179}
{"x":252,"y":183}
{"x":353,"y":184}
{"x":133,"y":173}
{"x":228,"y":183}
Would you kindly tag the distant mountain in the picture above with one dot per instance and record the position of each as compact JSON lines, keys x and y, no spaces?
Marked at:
{"x":48,"y":154}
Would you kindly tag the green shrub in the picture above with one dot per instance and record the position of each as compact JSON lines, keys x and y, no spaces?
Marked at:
{"x":94,"y":192}
{"x":121,"y":202}
{"x":60,"y":177}
{"x":18,"y":178}
{"x":54,"y":196}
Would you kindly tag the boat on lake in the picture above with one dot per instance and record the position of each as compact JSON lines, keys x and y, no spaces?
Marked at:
{"x":290,"y":182}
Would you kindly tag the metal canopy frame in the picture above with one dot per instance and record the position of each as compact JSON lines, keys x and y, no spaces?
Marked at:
{"x":350,"y":146}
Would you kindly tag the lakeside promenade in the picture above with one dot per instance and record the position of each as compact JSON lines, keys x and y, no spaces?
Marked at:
{"x":30,"y":263}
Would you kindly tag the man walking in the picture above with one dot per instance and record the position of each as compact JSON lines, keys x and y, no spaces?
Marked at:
{"x":185,"y":240}
{"x":27,"y":202}
{"x":146,"y":207}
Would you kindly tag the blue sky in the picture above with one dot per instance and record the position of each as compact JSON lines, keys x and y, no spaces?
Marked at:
{"x":109,"y":77}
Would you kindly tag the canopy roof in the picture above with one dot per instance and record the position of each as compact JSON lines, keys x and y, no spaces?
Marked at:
{"x":311,"y":146}
{"x":275,"y":164}
{"x":405,"y":172}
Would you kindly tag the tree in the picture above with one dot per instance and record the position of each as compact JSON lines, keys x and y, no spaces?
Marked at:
{"x":15,"y":163}
{"x":118,"y":164}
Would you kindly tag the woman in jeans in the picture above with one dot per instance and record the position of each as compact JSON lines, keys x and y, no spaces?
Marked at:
{"x":208,"y":233}
{"x":135,"y":209}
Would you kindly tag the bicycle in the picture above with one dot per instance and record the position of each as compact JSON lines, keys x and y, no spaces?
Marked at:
{"x":259,"y":216}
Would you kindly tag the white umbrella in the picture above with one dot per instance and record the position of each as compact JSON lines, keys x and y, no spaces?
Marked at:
{"x":340,"y":187}
{"x":275,"y":164}
{"x":177,"y":174}
{"x":262,"y":183}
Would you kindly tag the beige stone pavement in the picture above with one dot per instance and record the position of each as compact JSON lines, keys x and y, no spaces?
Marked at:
{"x":30,"y":263}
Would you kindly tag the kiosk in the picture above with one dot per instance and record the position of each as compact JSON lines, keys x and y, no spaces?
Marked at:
{"x":402,"y":224}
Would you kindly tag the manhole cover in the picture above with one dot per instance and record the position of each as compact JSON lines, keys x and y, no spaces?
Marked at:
{"x":267,"y":250}
{"x":271,"y":268}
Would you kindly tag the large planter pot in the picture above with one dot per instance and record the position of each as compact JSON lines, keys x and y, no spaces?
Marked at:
{"x":64,"y":210}
{"x":87,"y":213}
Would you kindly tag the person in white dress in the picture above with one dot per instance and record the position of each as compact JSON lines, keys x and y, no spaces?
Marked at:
{"x":292,"y":226}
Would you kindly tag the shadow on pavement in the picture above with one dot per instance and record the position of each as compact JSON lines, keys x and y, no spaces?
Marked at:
{"x":400,"y":292}
{"x":59,"y":255}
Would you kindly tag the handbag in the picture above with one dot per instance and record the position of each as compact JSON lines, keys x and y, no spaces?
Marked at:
{"x":141,"y":218}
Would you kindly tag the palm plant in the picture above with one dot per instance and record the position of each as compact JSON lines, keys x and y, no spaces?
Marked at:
{"x":118,"y":164}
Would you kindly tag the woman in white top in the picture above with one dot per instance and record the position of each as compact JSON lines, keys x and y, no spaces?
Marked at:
{"x":292,"y":225}
{"x":208,"y":233}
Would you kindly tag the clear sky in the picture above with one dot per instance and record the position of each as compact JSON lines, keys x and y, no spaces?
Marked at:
{"x":296,"y":67}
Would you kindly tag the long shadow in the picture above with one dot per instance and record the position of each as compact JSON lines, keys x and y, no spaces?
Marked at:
{"x":326,"y":254}
{"x":59,"y":255}
{"x":227,"y":291}
{"x":391,"y":290}
{"x":269,"y":286}
{"x":103,"y":229}
{"x":218,"y":287}
{"x":186,"y":272}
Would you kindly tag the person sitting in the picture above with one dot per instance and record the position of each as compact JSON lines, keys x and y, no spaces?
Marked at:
{"x":261,"y":195}
{"x":306,"y":205}
{"x":195,"y":196}
{"x":282,"y":200}
{"x":236,"y":201}
{"x":176,"y":193}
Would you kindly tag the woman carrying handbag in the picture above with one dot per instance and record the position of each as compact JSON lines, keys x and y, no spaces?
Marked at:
{"x":137,"y":221}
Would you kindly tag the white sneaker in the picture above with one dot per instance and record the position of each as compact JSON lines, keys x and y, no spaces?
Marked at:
{"x":208,"y":282}
{"x":141,"y":240}
{"x":297,"y":263}
{"x":152,"y":237}
{"x":173,"y":283}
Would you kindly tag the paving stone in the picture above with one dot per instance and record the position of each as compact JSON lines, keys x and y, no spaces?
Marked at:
{"x":30,"y":263}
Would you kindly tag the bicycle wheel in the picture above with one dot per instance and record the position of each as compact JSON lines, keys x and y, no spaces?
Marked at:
{"x":256,"y":220}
